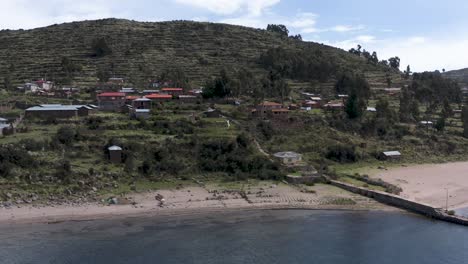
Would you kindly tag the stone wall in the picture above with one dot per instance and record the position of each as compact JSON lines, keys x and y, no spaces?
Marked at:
{"x":400,"y":202}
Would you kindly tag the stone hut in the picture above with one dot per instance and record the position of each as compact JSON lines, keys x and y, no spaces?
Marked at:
{"x":289,"y":158}
{"x":115,"y":154}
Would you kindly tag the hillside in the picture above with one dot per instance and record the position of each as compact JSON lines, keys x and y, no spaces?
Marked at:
{"x":142,"y":51}
{"x":459,"y":75}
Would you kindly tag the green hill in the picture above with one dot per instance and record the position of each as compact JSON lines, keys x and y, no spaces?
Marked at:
{"x":459,"y":75}
{"x":141,"y":51}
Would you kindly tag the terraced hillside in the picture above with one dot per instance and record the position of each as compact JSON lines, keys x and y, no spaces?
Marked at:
{"x":459,"y":75}
{"x":141,"y":51}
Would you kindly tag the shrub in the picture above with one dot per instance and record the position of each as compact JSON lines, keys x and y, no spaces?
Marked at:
{"x":342,"y":153}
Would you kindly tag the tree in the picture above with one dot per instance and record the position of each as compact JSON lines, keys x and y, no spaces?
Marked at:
{"x":280,"y":29}
{"x":66,"y":135}
{"x":374,"y":59}
{"x":394,"y":62}
{"x":407,"y":72}
{"x":7,"y":82}
{"x":440,"y":124}
{"x":219,"y":87}
{"x":101,"y":48}
{"x":358,"y":90}
{"x":409,"y":107}
{"x":297,"y":37}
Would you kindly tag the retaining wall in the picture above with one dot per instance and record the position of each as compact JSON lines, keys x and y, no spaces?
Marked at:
{"x":400,"y":202}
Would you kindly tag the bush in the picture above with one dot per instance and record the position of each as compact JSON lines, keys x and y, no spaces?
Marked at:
{"x":342,"y":153}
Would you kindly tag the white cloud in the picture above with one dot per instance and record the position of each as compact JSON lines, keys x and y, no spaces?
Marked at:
{"x":346,"y":28}
{"x":365,"y":39}
{"x":229,"y":7}
{"x":28,"y":14}
{"x":421,"y":53}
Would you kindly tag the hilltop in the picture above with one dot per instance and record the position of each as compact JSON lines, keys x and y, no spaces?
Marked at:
{"x":459,"y":75}
{"x":142,"y":50}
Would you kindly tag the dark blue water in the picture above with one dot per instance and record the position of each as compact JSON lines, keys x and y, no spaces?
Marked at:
{"x":247,"y":237}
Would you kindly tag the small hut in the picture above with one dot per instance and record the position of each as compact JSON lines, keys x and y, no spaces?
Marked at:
{"x":390,"y":155}
{"x":289,"y":158}
{"x":115,"y":154}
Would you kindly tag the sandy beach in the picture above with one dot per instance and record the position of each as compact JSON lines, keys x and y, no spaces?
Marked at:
{"x":429,"y":183}
{"x":192,"y":200}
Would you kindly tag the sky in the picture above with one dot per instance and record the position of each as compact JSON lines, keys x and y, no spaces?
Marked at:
{"x":426,"y":34}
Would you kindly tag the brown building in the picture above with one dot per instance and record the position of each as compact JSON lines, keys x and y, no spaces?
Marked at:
{"x":270,"y":109}
{"x":111,"y":101}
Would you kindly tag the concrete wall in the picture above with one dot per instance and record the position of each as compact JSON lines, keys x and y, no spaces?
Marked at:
{"x":403,"y":203}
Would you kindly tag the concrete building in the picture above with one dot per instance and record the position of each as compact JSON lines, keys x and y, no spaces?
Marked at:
{"x":141,"y":103}
{"x":111,"y":101}
{"x":289,"y":158}
{"x":115,"y":154}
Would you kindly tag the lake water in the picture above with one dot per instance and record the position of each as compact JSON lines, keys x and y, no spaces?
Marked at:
{"x":278,"y":236}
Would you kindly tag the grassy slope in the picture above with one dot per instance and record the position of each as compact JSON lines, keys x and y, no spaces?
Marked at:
{"x":145,"y":50}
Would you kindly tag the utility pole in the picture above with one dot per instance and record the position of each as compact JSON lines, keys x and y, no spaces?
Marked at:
{"x":446,"y":201}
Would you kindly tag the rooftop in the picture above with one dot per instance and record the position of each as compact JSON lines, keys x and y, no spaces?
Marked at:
{"x":111,"y":94}
{"x":114,"y":148}
{"x":159,"y":96}
{"x":172,"y":89}
{"x":392,"y":153}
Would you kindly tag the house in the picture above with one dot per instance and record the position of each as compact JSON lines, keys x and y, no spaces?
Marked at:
{"x":159,"y":97}
{"x":148,"y":92}
{"x":141,"y":103}
{"x":58,"y":111}
{"x":387,"y":155}
{"x":309,"y":104}
{"x":115,"y":154}
{"x":288,"y":158}
{"x":141,"y":113}
{"x":3,"y":121}
{"x":111,"y":101}
{"x":30,"y":88}
{"x":45,"y":85}
{"x":318,"y":100}
{"x":212,"y":113}
{"x":334,"y":105}
{"x":127,"y":90}
{"x":371,"y":109}
{"x":270,"y":108}
{"x":293,"y":107}
{"x":426,"y":123}
{"x":196,"y":92}
{"x":66,"y":92}
{"x":172,"y":91}
{"x":130,"y":98}
{"x":188,"y":98}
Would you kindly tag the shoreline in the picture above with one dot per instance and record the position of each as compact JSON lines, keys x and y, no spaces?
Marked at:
{"x":194,"y":200}
{"x":429,"y":183}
